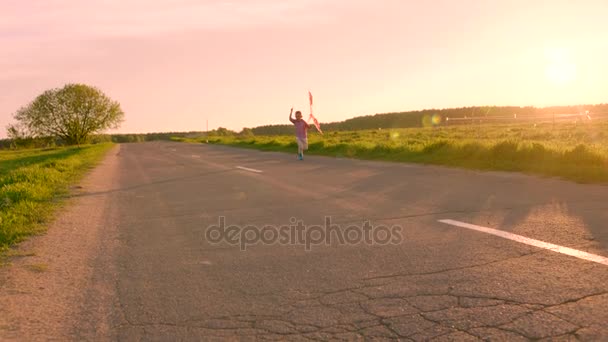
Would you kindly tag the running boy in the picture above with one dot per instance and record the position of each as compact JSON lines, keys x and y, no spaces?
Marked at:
{"x":301,"y":132}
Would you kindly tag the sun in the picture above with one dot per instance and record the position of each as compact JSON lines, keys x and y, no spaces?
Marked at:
{"x":560,"y":69}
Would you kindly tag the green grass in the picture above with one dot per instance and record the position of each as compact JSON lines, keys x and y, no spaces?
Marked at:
{"x":572,"y":151}
{"x":32,"y":183}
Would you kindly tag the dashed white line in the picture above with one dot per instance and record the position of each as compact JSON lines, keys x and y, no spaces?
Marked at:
{"x":532,"y":242}
{"x":248,"y":169}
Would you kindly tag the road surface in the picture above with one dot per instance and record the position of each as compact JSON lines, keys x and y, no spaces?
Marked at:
{"x":131,"y":257}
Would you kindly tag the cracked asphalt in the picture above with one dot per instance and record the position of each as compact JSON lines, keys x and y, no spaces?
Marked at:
{"x":440,"y":283}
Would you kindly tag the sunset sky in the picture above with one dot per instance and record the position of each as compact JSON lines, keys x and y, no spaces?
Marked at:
{"x":173,"y":64}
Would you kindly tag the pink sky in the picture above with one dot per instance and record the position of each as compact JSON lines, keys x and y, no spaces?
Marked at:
{"x":173,"y":64}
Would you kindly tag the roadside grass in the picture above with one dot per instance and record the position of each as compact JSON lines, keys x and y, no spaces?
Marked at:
{"x":32,"y":182}
{"x":572,"y":151}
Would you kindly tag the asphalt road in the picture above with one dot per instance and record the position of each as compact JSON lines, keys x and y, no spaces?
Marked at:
{"x":432,"y":281}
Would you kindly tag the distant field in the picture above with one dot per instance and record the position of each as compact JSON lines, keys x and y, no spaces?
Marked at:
{"x":31,"y":182}
{"x":575,"y":151}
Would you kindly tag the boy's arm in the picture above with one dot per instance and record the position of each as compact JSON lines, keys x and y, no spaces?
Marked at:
{"x":290,"y":114}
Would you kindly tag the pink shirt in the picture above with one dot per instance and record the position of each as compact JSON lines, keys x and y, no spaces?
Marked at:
{"x":301,"y":128}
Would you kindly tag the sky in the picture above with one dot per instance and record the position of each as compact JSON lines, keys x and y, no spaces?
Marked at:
{"x":176,"y":64}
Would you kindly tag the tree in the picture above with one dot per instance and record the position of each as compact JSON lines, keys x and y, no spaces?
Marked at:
{"x":222,"y":132}
{"x":246,"y":132}
{"x":71,"y":113}
{"x":17,"y":132}
{"x":18,"y":135}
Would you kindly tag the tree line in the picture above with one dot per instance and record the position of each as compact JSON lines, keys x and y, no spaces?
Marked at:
{"x":422,"y":118}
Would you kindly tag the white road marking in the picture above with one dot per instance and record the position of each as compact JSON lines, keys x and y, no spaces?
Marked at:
{"x":532,"y":242}
{"x":248,"y":169}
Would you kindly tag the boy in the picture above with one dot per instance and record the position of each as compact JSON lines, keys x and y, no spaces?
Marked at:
{"x":301,"y":132}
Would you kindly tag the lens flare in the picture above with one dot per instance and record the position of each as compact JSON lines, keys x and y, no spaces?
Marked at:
{"x":431,"y":120}
{"x":436,"y":119}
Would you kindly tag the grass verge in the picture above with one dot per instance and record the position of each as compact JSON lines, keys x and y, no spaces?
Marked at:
{"x":32,"y":182}
{"x":577,"y":152}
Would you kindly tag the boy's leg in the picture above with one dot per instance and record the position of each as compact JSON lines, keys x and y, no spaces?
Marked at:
{"x":304,"y":147}
{"x":300,"y":148}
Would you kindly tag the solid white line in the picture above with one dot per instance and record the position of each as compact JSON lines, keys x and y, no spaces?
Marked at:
{"x":248,"y":169}
{"x":532,"y":242}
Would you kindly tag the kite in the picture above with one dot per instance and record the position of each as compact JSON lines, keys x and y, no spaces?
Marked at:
{"x":312,"y":117}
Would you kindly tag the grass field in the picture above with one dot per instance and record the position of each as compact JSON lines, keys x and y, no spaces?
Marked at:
{"x":32,"y":182}
{"x":574,"y":151}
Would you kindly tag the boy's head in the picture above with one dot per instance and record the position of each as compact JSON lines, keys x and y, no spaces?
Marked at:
{"x":298,"y":115}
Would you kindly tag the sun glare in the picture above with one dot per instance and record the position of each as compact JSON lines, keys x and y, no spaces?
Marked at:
{"x":560,"y":69}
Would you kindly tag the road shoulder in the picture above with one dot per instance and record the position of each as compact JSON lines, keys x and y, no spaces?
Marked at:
{"x":49,"y":277}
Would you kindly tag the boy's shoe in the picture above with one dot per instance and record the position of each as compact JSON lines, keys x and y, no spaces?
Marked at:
{"x":300,"y":156}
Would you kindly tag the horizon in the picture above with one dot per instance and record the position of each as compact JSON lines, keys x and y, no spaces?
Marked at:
{"x":175,"y":65}
{"x":374,"y":114}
